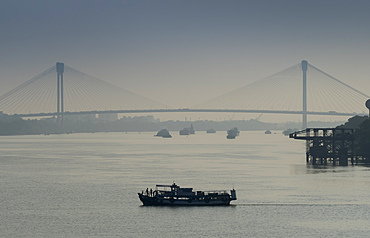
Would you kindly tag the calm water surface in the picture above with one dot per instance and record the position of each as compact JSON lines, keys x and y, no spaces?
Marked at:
{"x":85,"y":185}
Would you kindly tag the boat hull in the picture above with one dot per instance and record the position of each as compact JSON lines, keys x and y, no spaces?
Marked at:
{"x":161,"y":201}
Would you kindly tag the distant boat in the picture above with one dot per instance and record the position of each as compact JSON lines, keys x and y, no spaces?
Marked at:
{"x":164,"y":133}
{"x":184,"y":132}
{"x":232,"y":133}
{"x":268,"y":132}
{"x":187,"y":131}
{"x":211,"y":131}
{"x":191,"y":129}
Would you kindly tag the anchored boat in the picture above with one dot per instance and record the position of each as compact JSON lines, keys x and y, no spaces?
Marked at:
{"x":164,"y":133}
{"x":211,"y":130}
{"x":187,"y":131}
{"x":174,"y":195}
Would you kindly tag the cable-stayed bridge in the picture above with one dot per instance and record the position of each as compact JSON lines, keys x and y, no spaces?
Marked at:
{"x":300,"y":89}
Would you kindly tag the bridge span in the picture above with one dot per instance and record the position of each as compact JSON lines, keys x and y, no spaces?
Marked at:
{"x":281,"y":93}
{"x":330,"y":113}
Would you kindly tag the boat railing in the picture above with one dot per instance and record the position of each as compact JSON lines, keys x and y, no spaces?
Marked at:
{"x":195,"y":193}
{"x":171,"y":190}
{"x":220,"y":192}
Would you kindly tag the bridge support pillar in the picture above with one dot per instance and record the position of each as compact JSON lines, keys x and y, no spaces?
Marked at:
{"x":60,"y":99}
{"x":304,"y":106}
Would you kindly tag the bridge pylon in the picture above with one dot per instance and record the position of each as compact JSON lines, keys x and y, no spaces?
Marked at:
{"x":60,"y":99}
{"x":304,"y":106}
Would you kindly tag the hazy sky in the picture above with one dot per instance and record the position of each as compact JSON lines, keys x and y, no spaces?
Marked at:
{"x":184,"y":52}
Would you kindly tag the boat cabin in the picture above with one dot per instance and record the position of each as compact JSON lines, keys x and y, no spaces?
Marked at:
{"x":174,"y":190}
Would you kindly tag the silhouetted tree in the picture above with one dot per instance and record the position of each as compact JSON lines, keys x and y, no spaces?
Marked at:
{"x":353,"y":122}
{"x":362,"y":139}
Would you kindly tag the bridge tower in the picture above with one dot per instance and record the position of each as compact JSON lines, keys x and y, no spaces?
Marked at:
{"x":60,"y":100}
{"x":304,"y":107}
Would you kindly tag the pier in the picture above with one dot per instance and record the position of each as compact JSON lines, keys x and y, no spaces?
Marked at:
{"x":329,"y":146}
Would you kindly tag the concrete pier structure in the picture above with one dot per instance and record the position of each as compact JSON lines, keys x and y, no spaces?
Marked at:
{"x":328,"y":145}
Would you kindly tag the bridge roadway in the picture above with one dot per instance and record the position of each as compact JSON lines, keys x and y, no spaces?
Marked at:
{"x":330,"y":113}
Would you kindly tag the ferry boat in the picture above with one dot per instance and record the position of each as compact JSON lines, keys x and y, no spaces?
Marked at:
{"x":174,"y":195}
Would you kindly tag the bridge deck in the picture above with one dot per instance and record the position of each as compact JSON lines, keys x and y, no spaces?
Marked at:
{"x":188,"y":110}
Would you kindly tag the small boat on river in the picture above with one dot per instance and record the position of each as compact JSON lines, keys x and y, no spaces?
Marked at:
{"x":184,"y":132}
{"x":164,"y":133}
{"x":187,"y":131}
{"x":174,"y":195}
{"x":211,"y":130}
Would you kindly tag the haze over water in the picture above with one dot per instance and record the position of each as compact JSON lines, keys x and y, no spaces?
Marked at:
{"x":182,"y":53}
{"x":86,"y":185}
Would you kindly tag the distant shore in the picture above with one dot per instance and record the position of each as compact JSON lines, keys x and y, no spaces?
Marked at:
{"x":14,"y":125}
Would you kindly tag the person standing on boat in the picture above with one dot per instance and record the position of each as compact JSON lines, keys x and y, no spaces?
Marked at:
{"x":151,"y":192}
{"x":147,"y":192}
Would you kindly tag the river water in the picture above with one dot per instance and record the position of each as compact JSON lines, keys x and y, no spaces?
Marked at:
{"x":86,"y":185}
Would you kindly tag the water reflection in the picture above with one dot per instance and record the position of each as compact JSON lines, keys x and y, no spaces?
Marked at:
{"x":318,"y":169}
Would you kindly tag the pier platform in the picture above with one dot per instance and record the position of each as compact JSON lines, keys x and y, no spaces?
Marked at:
{"x":329,"y":146}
